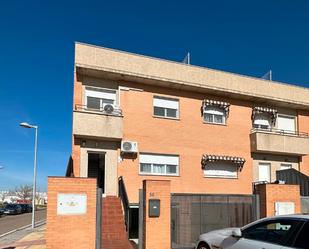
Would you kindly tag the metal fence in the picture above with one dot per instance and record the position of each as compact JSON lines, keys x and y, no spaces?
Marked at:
{"x":194,"y":214}
{"x":305,"y":204}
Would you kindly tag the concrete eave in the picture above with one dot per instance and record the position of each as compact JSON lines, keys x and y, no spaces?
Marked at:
{"x":102,"y":62}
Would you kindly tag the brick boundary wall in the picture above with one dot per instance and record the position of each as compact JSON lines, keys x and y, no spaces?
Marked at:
{"x":272,"y":193}
{"x":157,"y":234}
{"x":71,"y":231}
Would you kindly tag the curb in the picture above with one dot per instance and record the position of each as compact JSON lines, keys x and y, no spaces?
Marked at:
{"x":37,"y":224}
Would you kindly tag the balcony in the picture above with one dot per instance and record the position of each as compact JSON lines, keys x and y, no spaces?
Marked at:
{"x":279,"y":142}
{"x":98,"y":124}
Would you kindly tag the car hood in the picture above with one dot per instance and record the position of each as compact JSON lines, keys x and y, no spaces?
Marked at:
{"x":219,"y":238}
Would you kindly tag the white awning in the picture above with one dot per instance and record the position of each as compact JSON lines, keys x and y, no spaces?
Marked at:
{"x":225,"y":106}
{"x":271,"y":112}
{"x":239,"y":161}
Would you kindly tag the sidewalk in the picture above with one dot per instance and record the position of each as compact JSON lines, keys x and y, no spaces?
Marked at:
{"x":33,"y":240}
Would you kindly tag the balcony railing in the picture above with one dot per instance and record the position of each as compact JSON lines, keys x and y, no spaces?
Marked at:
{"x":115,"y":112}
{"x":97,"y":123}
{"x":279,"y":141}
{"x":280,"y":132}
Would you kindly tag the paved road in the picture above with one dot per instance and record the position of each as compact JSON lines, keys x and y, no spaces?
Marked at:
{"x":11,"y":222}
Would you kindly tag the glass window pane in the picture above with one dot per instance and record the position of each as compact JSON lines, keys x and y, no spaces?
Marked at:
{"x":271,"y":231}
{"x":302,"y":240}
{"x":146,"y":167}
{"x":171,"y":169}
{"x":108,"y":101}
{"x":171,"y":113}
{"x":208,"y":117}
{"x":159,"y":169}
{"x":93,"y":103}
{"x":159,"y":111}
{"x":218,"y":119}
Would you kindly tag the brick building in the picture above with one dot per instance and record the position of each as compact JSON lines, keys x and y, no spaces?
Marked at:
{"x":204,"y":130}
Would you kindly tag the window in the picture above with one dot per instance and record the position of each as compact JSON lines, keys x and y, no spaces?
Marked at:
{"x":262,"y":121}
{"x":284,"y":166}
{"x":214,"y":114}
{"x":302,"y":240}
{"x":155,"y":164}
{"x":273,"y":231}
{"x":165,"y":107}
{"x":95,"y":98}
{"x":286,"y":123}
{"x":264,"y":172}
{"x":221,"y":169}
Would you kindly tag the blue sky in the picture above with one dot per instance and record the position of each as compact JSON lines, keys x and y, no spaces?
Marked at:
{"x":36,"y":58}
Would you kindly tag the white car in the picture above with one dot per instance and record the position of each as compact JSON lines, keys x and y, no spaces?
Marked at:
{"x":279,"y":232}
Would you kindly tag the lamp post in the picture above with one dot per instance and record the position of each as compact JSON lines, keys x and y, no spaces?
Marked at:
{"x":26,"y":125}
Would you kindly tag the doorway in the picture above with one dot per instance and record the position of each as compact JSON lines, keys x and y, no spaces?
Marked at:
{"x":133,"y":222}
{"x":96,"y":168}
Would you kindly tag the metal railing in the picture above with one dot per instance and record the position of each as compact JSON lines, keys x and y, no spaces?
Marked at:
{"x":116,"y":112}
{"x":280,"y":132}
{"x":125,"y":201}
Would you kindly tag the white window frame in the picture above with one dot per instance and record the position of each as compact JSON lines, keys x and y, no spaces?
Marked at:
{"x":158,"y":159}
{"x":219,"y":112}
{"x":227,"y":176}
{"x":289,"y":117}
{"x":100,"y":93}
{"x":269,"y":170}
{"x":284,"y":166}
{"x":166,"y":103}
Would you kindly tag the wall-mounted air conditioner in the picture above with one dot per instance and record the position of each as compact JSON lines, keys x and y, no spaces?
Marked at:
{"x":129,"y":147}
{"x":109,"y":108}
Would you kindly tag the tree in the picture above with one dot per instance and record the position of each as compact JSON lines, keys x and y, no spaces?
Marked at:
{"x":24,"y":192}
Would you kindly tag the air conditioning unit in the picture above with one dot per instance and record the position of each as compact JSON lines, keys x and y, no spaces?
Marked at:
{"x":129,"y":147}
{"x":109,"y":108}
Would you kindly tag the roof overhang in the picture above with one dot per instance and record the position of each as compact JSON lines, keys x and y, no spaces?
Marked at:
{"x":122,"y":66}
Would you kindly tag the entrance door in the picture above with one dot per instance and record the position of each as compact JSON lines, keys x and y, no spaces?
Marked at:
{"x":96,"y":168}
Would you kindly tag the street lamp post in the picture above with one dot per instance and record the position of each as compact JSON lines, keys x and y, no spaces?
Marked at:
{"x":26,"y":125}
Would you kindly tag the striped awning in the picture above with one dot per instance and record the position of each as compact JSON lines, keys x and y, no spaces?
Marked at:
{"x":239,"y":161}
{"x":259,"y":109}
{"x":208,"y":102}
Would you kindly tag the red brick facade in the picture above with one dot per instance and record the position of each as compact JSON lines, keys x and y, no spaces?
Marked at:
{"x":272,"y":193}
{"x":71,"y":231}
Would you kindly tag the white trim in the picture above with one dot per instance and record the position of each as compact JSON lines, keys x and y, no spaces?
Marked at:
{"x":213,"y":111}
{"x":287,"y":123}
{"x":262,"y":119}
{"x":284,"y":166}
{"x":219,"y":170}
{"x":159,"y":159}
{"x":265,"y":165}
{"x":165,"y":102}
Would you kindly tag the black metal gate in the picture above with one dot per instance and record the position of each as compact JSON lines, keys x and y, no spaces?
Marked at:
{"x":194,"y":214}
